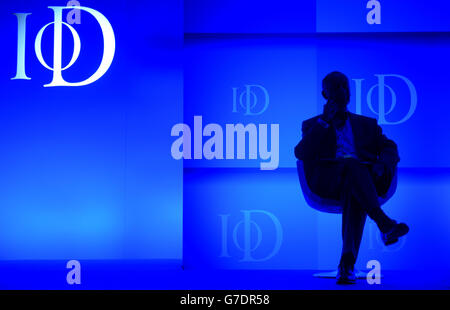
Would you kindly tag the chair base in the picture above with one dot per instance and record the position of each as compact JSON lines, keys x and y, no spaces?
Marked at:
{"x":332,"y":274}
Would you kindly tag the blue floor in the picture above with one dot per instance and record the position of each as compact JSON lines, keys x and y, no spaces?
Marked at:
{"x":168,"y":275}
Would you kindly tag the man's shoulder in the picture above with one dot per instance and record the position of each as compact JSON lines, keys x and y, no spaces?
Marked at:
{"x":311,"y":120}
{"x":363,"y":119}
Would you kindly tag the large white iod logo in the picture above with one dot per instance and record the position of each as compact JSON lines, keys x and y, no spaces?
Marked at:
{"x":109,"y":46}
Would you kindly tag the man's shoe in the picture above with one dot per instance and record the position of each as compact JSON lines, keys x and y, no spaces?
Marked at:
{"x":346,"y":275}
{"x":394,"y":233}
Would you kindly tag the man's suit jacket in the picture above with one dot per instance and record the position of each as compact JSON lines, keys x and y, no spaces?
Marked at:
{"x":319,"y":143}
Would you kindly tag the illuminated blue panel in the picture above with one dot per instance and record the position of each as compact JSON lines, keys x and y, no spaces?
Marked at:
{"x":395,"y":16}
{"x":250,"y":16}
{"x":238,"y":218}
{"x":230,"y":80}
{"x":221,"y":203}
{"x":85,"y":170}
{"x":414,"y":71}
{"x":251,"y":81}
{"x":288,"y":16}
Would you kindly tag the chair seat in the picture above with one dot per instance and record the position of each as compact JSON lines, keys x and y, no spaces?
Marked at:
{"x":331,"y":205}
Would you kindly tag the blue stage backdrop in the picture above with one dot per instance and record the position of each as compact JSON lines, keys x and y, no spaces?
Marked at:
{"x":93,"y":104}
{"x":85,"y":170}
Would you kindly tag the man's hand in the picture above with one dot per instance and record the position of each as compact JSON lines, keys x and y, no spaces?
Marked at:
{"x":329,"y":111}
{"x":379,"y":169}
{"x":334,"y":114}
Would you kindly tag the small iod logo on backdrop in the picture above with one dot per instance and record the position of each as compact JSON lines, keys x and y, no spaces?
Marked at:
{"x":247,"y":99}
{"x":246,"y":229}
{"x":108,"y":45}
{"x":382,"y":110}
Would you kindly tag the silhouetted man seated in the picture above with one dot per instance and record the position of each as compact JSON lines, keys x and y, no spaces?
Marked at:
{"x":347,"y":157}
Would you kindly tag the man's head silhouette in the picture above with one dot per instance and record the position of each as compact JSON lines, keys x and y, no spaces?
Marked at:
{"x":335,"y":87}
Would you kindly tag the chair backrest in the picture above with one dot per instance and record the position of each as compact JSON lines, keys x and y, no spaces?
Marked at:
{"x":331,"y":205}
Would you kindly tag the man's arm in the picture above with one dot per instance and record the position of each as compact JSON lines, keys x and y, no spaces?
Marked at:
{"x":387,"y":154}
{"x":386,"y":148}
{"x":313,"y":135}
